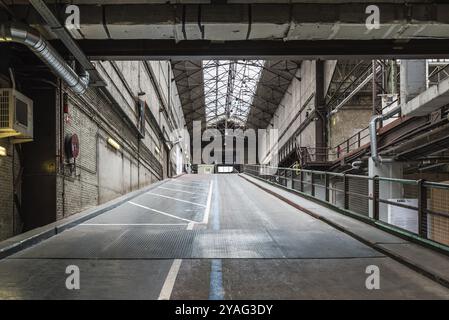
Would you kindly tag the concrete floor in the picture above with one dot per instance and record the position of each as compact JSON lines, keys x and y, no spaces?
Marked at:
{"x":207,"y":237}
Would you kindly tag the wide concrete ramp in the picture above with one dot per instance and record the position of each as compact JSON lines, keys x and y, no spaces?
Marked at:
{"x":207,"y":236}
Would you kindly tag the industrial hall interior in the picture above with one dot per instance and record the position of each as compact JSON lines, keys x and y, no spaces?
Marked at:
{"x":224,"y":150}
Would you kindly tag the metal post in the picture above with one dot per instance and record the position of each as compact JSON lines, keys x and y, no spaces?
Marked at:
{"x":320,"y":111}
{"x":290,"y":176}
{"x":345,"y":191}
{"x":312,"y":184}
{"x":358,"y":139}
{"x":326,"y":183}
{"x":293,"y":178}
{"x":302,"y":180}
{"x":374,"y":88}
{"x":422,"y":209}
{"x":375,"y":197}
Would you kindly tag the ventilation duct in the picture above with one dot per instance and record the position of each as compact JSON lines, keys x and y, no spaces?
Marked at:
{"x":373,"y":134}
{"x":33,"y":40}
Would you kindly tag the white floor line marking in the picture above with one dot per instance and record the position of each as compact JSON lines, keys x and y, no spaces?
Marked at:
{"x":209,"y":198}
{"x":185,"y":185}
{"x":187,"y":182}
{"x":163,"y":196}
{"x":170,"y":280}
{"x":133,"y":224}
{"x":161,"y":212}
{"x":178,"y":190}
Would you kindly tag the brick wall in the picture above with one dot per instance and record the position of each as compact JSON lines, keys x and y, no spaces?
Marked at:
{"x":100,"y":172}
{"x":6,"y":196}
{"x":10,"y":222}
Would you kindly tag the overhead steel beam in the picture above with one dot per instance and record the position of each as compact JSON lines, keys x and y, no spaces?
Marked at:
{"x":68,"y":41}
{"x":353,"y":92}
{"x":320,"y":20}
{"x":260,"y":49}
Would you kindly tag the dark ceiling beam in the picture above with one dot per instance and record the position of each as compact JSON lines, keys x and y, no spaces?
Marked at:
{"x":262,"y":49}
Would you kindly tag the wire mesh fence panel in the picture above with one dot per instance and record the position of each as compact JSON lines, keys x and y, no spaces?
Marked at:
{"x":296,"y":179}
{"x":284,"y":177}
{"x":336,"y":190}
{"x":289,"y":179}
{"x":251,"y":170}
{"x":438,"y":214}
{"x":276,"y":178}
{"x":398,"y":204}
{"x":358,"y":201}
{"x":319,"y":183}
{"x":307,"y":183}
{"x":416,"y":206}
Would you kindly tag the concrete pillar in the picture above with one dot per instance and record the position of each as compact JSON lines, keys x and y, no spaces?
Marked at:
{"x":179,"y":160}
{"x":413,"y":79}
{"x":387,"y":190}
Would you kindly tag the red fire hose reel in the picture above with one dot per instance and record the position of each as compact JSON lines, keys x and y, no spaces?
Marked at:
{"x":72,"y":146}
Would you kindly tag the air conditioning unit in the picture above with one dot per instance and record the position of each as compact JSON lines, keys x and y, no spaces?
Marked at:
{"x":16,"y":116}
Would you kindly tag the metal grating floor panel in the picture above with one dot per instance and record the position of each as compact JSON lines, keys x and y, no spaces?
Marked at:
{"x":148,"y":243}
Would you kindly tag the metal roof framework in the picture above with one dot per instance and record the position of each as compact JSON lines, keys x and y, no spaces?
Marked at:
{"x":229,"y":87}
{"x":232,"y":93}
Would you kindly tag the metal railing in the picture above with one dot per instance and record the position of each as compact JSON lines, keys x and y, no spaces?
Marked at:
{"x":354,"y":142}
{"x":357,"y":140}
{"x":437,"y":70}
{"x":311,"y":155}
{"x":416,"y":208}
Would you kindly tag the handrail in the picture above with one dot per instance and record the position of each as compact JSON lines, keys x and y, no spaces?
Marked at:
{"x":367,"y":127}
{"x":367,"y":197}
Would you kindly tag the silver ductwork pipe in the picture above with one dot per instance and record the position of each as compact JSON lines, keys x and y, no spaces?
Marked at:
{"x":373,"y":132}
{"x":356,"y":164}
{"x":373,"y":137}
{"x":33,"y":40}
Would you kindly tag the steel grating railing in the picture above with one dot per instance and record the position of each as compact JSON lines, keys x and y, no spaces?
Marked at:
{"x":415,"y":207}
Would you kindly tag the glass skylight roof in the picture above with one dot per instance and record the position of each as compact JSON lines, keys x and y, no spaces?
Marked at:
{"x":229,"y":89}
